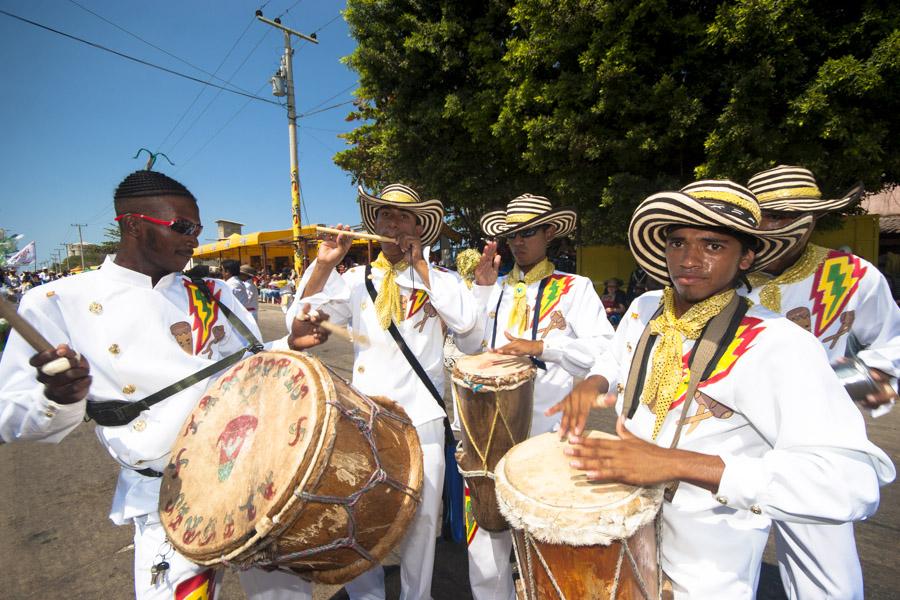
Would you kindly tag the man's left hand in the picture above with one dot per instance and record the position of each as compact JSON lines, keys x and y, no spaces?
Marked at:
{"x":886,"y":391}
{"x":521,"y":346}
{"x":628,"y":460}
{"x":305,"y":330}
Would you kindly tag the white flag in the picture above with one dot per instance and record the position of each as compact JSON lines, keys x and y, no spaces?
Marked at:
{"x":24,"y":256}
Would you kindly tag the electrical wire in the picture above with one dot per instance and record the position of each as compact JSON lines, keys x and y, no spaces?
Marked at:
{"x":137,"y":60}
{"x":152,"y":45}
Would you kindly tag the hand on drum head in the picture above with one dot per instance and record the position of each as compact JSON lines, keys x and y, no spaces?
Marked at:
{"x":520,"y":346}
{"x":66,"y":386}
{"x":588,"y":394}
{"x":489,"y":266}
{"x":633,"y":461}
{"x":306,"y":330}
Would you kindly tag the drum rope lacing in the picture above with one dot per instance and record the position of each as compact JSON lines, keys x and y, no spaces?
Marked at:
{"x":531,"y":586}
{"x":498,"y":415}
{"x":366,"y":426}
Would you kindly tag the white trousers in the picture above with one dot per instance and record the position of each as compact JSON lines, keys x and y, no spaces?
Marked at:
{"x":183,"y":577}
{"x":818,"y":561}
{"x":417,"y":547}
{"x":490,"y":572}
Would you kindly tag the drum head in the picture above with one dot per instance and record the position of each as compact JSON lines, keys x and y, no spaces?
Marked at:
{"x":540,"y":492}
{"x":493,"y":372}
{"x":240,"y":454}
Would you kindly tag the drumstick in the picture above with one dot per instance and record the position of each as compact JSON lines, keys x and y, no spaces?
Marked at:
{"x":34,"y":338}
{"x":357,"y":234}
{"x":335,"y":329}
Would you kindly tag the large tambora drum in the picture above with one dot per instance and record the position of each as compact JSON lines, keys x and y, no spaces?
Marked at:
{"x":574,"y":538}
{"x":283,"y":465}
{"x":494,"y":397}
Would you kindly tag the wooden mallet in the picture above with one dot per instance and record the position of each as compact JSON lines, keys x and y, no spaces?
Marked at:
{"x":34,"y":338}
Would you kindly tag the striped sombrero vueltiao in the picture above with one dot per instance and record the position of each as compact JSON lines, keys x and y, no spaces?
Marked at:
{"x":788,"y":188}
{"x":397,"y":195}
{"x":527,"y":212}
{"x":707,"y":203}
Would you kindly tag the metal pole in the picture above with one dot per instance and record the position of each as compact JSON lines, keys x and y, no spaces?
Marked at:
{"x":292,"y":134}
{"x":80,"y":242}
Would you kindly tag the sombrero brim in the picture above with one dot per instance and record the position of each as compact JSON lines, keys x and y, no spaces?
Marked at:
{"x":817,"y":205}
{"x":431,"y":213}
{"x":494,"y":224}
{"x":659,"y":212}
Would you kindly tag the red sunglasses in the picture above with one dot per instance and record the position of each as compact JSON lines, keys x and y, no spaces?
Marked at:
{"x":182,"y":226}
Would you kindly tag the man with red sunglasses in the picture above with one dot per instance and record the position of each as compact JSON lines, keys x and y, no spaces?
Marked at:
{"x":135,"y":326}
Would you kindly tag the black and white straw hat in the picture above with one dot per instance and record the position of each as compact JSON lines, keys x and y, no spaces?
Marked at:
{"x":789,"y":188}
{"x":707,"y":203}
{"x":397,"y":195}
{"x":526,"y":212}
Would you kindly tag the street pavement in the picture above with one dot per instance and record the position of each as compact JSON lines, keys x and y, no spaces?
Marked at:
{"x":56,"y":541}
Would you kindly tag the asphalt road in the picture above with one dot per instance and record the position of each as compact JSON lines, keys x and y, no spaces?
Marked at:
{"x":56,"y":541}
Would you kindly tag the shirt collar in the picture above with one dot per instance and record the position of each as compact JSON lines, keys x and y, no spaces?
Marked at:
{"x":125,"y":275}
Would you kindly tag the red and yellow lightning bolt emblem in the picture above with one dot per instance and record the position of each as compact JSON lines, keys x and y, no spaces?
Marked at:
{"x":556,"y":288}
{"x":205,"y":313}
{"x":416,"y":301}
{"x":471,"y":525}
{"x":835,"y":282}
{"x":743,"y":341}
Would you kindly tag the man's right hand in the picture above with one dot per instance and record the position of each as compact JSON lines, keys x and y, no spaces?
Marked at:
{"x":590,"y":393}
{"x":71,"y":385}
{"x":333,"y":248}
{"x":489,"y":266}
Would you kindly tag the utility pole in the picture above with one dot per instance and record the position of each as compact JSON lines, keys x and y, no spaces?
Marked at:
{"x":284,"y":78}
{"x":80,"y":242}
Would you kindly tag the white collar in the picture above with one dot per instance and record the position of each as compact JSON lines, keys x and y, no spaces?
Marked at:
{"x":125,"y":275}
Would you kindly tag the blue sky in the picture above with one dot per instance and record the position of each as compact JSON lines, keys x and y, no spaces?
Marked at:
{"x":72,"y":116}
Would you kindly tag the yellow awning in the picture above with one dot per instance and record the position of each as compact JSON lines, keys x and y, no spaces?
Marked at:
{"x":238,"y":240}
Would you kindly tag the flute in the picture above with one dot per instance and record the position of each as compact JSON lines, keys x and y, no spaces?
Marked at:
{"x":356,"y":234}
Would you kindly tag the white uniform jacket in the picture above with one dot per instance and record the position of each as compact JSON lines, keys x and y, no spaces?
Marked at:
{"x":138,"y":338}
{"x":379,"y":367}
{"x":572,"y":324}
{"x":794,"y":448}
{"x":844,"y":295}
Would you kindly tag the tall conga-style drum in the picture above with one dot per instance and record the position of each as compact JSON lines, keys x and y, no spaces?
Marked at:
{"x":574,"y":538}
{"x":494,"y":397}
{"x":283,"y":465}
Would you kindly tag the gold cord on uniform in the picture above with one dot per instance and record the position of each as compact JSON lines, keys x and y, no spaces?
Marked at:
{"x":668,"y":368}
{"x":518,"y":316}
{"x":770,"y":295}
{"x":387,"y":302}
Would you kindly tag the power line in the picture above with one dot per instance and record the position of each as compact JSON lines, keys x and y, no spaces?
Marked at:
{"x":137,"y":60}
{"x":333,"y":19}
{"x":315,"y":112}
{"x":329,"y":99}
{"x":152,"y":45}
{"x":200,"y":92}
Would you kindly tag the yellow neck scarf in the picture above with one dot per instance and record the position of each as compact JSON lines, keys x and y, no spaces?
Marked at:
{"x":387,"y":302}
{"x":518,"y":316}
{"x":668,"y":369}
{"x":770,"y":295}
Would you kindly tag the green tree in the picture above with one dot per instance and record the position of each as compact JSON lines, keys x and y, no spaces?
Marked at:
{"x":598,"y":104}
{"x":8,"y":245}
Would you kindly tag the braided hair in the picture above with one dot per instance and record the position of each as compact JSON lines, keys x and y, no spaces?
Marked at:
{"x":144,"y":184}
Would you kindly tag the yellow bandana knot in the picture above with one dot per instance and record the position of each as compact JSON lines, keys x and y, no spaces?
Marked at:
{"x":668,"y":370}
{"x":806,"y":265}
{"x":387,"y":302}
{"x":518,"y":316}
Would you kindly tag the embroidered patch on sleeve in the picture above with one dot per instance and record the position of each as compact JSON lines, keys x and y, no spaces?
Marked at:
{"x":199,"y":587}
{"x":205,"y":313}
{"x":471,"y":525}
{"x":834,"y":283}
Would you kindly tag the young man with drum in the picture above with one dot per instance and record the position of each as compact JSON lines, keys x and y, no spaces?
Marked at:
{"x":536,"y":311}
{"x":845,"y":302}
{"x":123,"y":333}
{"x":769,"y":433}
{"x":414,"y":301}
